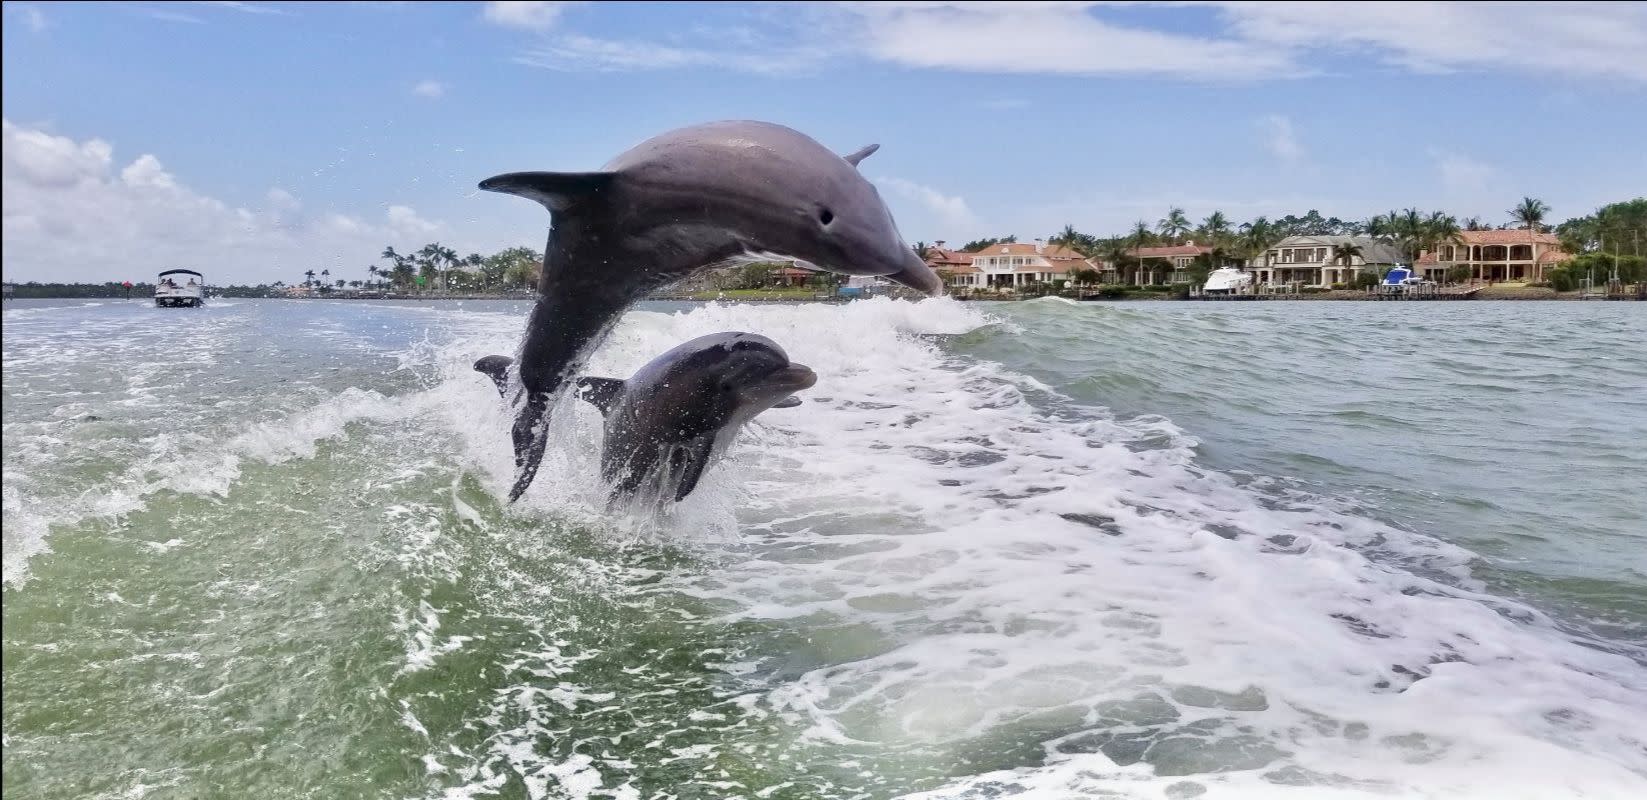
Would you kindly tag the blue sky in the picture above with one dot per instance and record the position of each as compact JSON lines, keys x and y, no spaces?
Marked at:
{"x":254,"y":141}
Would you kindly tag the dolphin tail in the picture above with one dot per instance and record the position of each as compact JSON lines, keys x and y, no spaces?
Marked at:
{"x":531,"y":438}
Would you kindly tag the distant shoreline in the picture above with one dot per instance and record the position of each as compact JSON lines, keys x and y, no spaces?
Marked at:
{"x":756,"y":296}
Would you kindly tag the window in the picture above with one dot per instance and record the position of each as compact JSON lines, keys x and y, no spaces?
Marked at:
{"x":1320,"y":254}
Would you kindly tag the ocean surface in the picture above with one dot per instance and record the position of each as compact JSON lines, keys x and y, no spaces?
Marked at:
{"x":1031,"y":550}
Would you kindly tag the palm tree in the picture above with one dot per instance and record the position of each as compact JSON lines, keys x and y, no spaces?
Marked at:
{"x":308,"y":277}
{"x":1530,"y":213}
{"x":1174,"y":225}
{"x":1474,"y":224}
{"x":1141,"y":237}
{"x":1257,"y":236}
{"x":1441,"y":228}
{"x":326,"y":278}
{"x":1116,"y":253}
{"x":1216,"y":227}
{"x":1066,"y":237}
{"x":1346,"y":254}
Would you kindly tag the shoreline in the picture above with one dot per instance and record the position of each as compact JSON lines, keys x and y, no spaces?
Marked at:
{"x":1519,"y":294}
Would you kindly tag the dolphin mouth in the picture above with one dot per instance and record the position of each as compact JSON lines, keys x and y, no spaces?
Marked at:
{"x":792,"y":378}
{"x":918,"y":276}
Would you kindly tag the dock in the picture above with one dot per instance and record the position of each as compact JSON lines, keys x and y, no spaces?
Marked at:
{"x":1428,"y":293}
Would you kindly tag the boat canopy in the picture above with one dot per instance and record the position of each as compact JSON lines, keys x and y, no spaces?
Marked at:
{"x":181,"y":272}
{"x":1397,"y":275}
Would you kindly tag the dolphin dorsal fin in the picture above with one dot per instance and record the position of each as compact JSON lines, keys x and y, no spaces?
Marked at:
{"x":788,"y":402}
{"x":555,"y":190}
{"x":496,"y":368}
{"x":601,"y":392}
{"x":864,"y":152}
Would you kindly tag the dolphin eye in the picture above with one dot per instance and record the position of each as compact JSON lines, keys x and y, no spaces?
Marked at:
{"x":826,"y":216}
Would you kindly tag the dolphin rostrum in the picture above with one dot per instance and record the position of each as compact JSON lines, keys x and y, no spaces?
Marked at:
{"x":673,"y":205}
{"x":675,"y":417}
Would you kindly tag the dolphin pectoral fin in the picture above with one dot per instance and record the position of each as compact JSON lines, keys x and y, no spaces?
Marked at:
{"x":531,"y":437}
{"x":864,"y":152}
{"x":788,"y":402}
{"x":688,"y":460}
{"x":601,"y":392}
{"x":555,"y":190}
{"x":496,"y":368}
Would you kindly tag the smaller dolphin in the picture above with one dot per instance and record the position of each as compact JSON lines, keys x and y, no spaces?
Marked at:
{"x":677,"y":415}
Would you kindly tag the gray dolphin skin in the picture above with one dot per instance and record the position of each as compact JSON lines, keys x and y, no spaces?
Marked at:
{"x":675,"y":417}
{"x":675,"y":204}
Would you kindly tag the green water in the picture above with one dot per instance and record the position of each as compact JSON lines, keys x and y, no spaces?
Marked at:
{"x":258,"y":551}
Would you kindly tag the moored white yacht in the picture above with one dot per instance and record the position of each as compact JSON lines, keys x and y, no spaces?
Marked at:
{"x":1227,"y":280}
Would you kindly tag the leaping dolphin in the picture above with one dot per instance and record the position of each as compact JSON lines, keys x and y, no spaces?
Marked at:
{"x":671,"y":206}
{"x":675,"y":417}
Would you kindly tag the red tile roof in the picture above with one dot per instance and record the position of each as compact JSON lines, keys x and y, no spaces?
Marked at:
{"x":1169,"y":251}
{"x":1027,"y":249}
{"x":942,"y":258}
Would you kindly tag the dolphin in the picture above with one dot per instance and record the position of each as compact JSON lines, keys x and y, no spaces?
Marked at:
{"x":671,"y":206}
{"x":675,"y":417}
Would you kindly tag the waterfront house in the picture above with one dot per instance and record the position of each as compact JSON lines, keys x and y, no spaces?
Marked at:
{"x":1314,"y":260}
{"x":1167,"y":264}
{"x":1513,"y":255}
{"x":791,"y":276}
{"x":1014,"y":265}
{"x":943,"y":259}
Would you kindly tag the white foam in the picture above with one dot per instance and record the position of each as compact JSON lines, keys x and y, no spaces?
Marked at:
{"x":1297,"y":653}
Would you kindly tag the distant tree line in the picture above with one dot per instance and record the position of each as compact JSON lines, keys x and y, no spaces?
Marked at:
{"x":1619,"y":228}
{"x":115,"y":289}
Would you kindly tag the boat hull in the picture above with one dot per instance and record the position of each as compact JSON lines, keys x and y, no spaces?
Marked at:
{"x":177,"y":302}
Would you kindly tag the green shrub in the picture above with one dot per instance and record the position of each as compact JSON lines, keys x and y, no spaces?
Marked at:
{"x":1338,"y":286}
{"x":1564,"y":280}
{"x":1313,"y":290}
{"x":1112,"y":292}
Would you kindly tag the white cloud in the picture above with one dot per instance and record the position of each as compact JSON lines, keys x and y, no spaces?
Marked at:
{"x":171,"y":16}
{"x":1585,"y":39}
{"x":1238,"y":41}
{"x":245,"y":8}
{"x":432,"y":89}
{"x":946,"y":212}
{"x":536,"y":16}
{"x":589,"y":54}
{"x":1281,"y":138}
{"x":71,"y":214}
{"x":1056,"y":38}
{"x":1467,"y":183}
{"x":32,"y":16}
{"x":147,"y":173}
